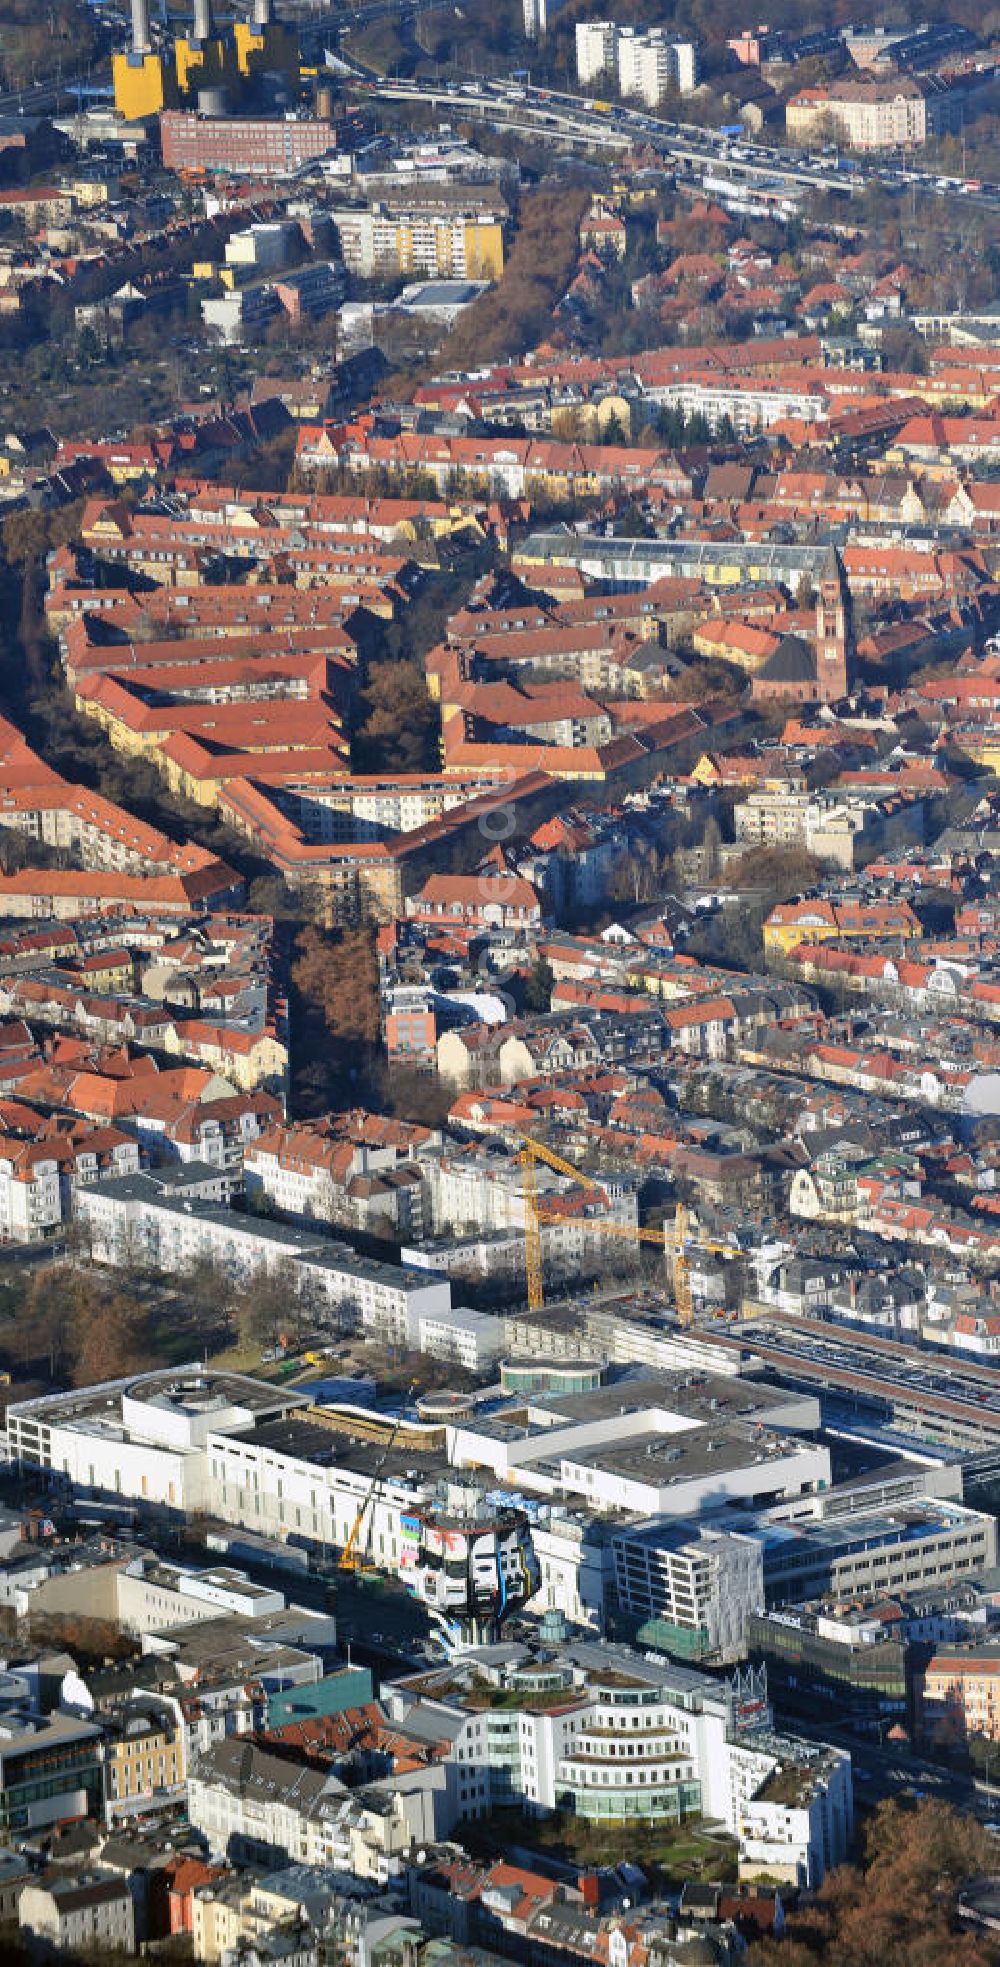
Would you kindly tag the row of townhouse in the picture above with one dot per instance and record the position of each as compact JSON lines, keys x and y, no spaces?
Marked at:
{"x":949,"y":983}
{"x":392,"y":522}
{"x":337,"y":809}
{"x":592,"y":1027}
{"x":237,"y":533}
{"x":502,"y":1055}
{"x":876,"y":1068}
{"x":83,"y":824}
{"x":184,"y":555}
{"x":79,"y":613}
{"x":257,"y":1808}
{"x":70,"y":894}
{"x":313,"y":1171}
{"x":607,"y":658}
{"x":249,"y":1056}
{"x":505,"y":467}
{"x":210,"y":670}
{"x":256,"y":727}
{"x":817,"y":919}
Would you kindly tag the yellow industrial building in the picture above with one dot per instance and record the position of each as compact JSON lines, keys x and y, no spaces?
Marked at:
{"x":206,"y":69}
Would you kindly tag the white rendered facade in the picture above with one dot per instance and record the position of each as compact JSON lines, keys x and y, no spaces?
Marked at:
{"x":596,"y":41}
{"x":614,"y":1735}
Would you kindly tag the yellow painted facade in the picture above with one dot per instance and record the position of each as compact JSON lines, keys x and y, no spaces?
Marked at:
{"x":205,"y":65}
{"x":201,"y":790}
{"x":121,"y":736}
{"x":590,"y":422}
{"x":266,"y":1060}
{"x":113,"y":975}
{"x":985,"y":750}
{"x":658,"y":983}
{"x":147,"y":1756}
{"x":784,"y":936}
{"x":143,"y":84}
{"x":217,"y":1922}
{"x":275,"y":51}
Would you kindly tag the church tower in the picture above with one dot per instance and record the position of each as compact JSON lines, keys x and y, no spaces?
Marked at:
{"x":833,"y":634}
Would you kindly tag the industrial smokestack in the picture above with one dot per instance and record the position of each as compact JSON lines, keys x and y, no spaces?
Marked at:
{"x":263,"y":14}
{"x":141,"y":42}
{"x":204,"y":26}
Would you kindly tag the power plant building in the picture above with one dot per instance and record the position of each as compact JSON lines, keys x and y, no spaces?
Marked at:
{"x":207,"y":69}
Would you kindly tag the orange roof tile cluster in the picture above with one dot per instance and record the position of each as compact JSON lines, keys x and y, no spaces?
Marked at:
{"x":93,"y":825}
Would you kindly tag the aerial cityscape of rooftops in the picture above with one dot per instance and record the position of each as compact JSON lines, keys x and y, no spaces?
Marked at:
{"x":499,"y":983}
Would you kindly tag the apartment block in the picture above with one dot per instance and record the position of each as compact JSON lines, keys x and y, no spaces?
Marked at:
{"x":959,"y":1694}
{"x":841,"y":829}
{"x":596,"y":49}
{"x":177,"y":1217}
{"x":446,"y":245}
{"x":92,"y":1910}
{"x":648,"y":65}
{"x":144,"y":1757}
{"x":894,"y":115}
{"x":242,"y":314}
{"x":39,"y":1178}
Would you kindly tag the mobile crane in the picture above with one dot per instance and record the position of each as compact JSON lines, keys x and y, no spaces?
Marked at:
{"x":350,"y":1556}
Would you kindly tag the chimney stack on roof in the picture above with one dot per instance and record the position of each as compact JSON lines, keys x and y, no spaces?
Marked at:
{"x":141,"y":42}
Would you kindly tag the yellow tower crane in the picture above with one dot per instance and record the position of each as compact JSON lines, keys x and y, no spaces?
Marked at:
{"x":531,"y":1153}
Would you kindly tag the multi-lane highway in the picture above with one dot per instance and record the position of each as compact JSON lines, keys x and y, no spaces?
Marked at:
{"x":585,"y":123}
{"x":40,"y":97}
{"x":573,"y":121}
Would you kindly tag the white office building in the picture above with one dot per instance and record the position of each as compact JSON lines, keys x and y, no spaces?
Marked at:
{"x":614,"y":1735}
{"x":699,"y":1583}
{"x":651,"y":1445}
{"x":143,"y":1439}
{"x":471,"y":1339}
{"x":192,"y":1439}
